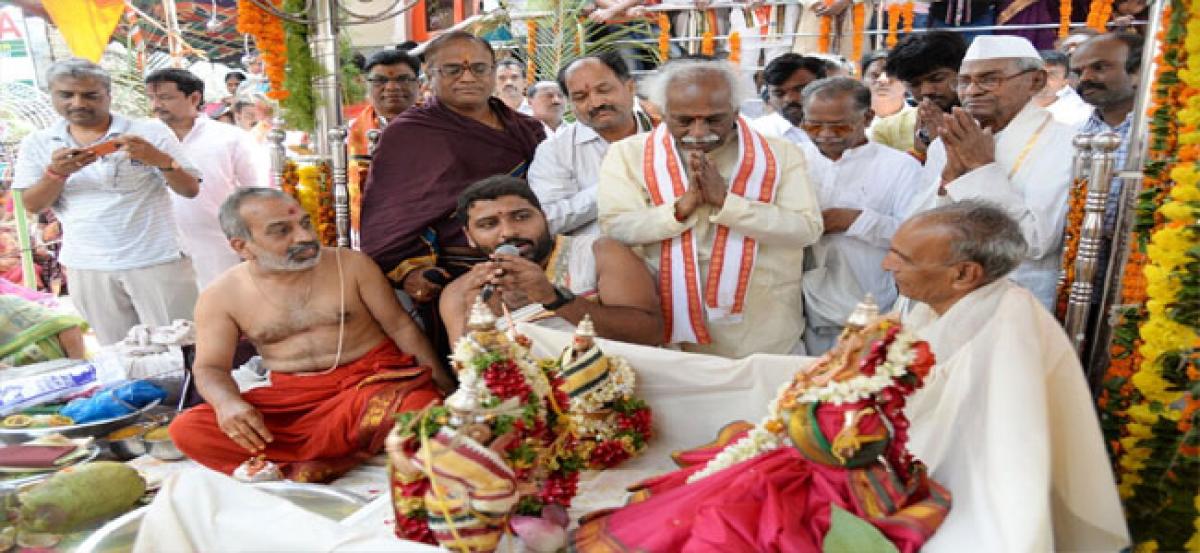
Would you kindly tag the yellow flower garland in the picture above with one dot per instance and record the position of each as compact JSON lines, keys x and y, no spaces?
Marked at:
{"x":1154,"y":454}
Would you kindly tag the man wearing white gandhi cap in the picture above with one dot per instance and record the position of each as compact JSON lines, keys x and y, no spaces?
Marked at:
{"x":1002,"y":147}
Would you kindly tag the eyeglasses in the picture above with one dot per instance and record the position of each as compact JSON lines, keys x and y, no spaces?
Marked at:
{"x":454,"y":70}
{"x":402,"y":80}
{"x":987,"y":83}
{"x":813,"y":127}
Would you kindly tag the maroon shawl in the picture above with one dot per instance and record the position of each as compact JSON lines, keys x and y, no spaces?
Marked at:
{"x":425,"y":159}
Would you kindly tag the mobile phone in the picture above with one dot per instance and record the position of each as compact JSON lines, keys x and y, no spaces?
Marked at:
{"x":103,"y":148}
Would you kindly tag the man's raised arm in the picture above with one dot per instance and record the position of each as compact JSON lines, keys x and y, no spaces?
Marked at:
{"x":629,"y":309}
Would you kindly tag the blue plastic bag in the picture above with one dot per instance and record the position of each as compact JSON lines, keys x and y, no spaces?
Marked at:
{"x":113,"y":402}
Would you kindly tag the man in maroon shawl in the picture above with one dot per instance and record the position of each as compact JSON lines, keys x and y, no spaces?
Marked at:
{"x":427,"y":157}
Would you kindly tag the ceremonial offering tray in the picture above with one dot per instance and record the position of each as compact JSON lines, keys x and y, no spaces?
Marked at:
{"x":119,"y":534}
{"x":94,"y":429}
{"x":16,"y":478}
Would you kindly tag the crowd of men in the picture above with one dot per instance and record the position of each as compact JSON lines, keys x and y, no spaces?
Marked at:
{"x":659,"y":210}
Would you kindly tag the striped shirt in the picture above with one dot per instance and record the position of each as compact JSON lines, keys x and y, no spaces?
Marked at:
{"x":115,"y":212}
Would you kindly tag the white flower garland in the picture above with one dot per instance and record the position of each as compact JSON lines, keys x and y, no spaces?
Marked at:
{"x":761,"y":440}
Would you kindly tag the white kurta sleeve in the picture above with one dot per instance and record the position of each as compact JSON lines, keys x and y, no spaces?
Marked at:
{"x":1040,"y":209}
{"x":625,"y":210}
{"x":876,"y":227}
{"x":567,"y":204}
{"x":794,"y":219}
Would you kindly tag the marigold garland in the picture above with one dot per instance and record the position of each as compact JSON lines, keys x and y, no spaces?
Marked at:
{"x":894,"y":12}
{"x":859,"y":15}
{"x":826,"y":29}
{"x":1064,"y":18}
{"x":1099,"y":12}
{"x":909,"y":16}
{"x":1071,"y":236}
{"x":708,"y":44}
{"x":1150,"y":391}
{"x":270,"y":40}
{"x":531,"y":28}
{"x":664,"y":37}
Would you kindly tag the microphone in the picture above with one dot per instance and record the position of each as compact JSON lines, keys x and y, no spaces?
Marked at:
{"x":505,"y":249}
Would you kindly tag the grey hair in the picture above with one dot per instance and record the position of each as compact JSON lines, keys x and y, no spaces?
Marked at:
{"x":1029,"y":64}
{"x":230,"y":215}
{"x":78,"y":68}
{"x":831,"y":87}
{"x":657,"y":85}
{"x":983,"y":233}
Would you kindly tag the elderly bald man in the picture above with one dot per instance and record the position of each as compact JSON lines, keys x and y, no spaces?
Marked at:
{"x":721,"y":211}
{"x":1005,"y":420}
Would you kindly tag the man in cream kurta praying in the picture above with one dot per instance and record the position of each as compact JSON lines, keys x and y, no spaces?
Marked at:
{"x":720,"y":211}
{"x":1005,"y":419}
{"x":1002,"y":147}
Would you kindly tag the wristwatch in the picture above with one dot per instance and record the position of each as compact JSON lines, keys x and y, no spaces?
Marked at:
{"x":173,"y":166}
{"x":562,"y":295}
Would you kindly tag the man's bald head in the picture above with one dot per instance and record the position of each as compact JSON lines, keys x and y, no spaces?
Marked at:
{"x":941,"y":255}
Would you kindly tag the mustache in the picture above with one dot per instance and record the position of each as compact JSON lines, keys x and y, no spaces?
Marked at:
{"x":711,"y":138}
{"x":516,"y":242}
{"x":793,"y":106}
{"x":1088,"y":85}
{"x":295,"y":250}
{"x":596,"y":110}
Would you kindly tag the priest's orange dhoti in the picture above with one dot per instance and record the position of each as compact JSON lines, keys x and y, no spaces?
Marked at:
{"x":324,"y":424}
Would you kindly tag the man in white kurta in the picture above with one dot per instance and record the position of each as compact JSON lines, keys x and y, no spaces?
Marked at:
{"x":864,"y":191}
{"x":705,"y":191}
{"x":1001,"y":147}
{"x":227,"y":160}
{"x":566,"y":166}
{"x":1005,"y":419}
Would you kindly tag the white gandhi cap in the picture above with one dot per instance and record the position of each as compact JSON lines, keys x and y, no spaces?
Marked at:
{"x":993,"y":47}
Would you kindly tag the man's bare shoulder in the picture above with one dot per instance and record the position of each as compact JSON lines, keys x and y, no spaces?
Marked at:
{"x":611,"y":253}
{"x":223,"y":293}
{"x":360,"y":264}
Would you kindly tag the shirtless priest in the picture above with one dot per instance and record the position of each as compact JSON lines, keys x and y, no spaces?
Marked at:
{"x":343,"y":355}
{"x":550,"y":281}
{"x":1005,"y":420}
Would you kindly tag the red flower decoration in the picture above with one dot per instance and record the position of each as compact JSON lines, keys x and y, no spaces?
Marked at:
{"x":608,"y":454}
{"x":415,"y":529}
{"x":639,"y":421}
{"x":560,"y":488}
{"x":505,"y":380}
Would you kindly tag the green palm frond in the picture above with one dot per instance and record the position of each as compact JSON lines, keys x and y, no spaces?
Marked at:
{"x":566,"y":34}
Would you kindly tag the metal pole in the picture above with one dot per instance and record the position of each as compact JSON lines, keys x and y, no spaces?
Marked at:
{"x":276,"y":136}
{"x":1131,"y":185}
{"x":341,"y":185}
{"x":324,"y":45}
{"x":1079,"y":169}
{"x":1091,"y":239}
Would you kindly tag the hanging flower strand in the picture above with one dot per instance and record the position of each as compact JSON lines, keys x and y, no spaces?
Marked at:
{"x":735,"y":48}
{"x":531,"y":28}
{"x":664,"y":36}
{"x":826,"y":29}
{"x":893,"y":12}
{"x":271,"y":41}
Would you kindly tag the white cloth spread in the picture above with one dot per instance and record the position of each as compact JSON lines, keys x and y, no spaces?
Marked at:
{"x":1030,"y":180}
{"x":1006,"y":422}
{"x":755,"y":177}
{"x":201,"y":510}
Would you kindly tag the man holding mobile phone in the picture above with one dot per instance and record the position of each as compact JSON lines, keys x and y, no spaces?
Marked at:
{"x":120,"y":246}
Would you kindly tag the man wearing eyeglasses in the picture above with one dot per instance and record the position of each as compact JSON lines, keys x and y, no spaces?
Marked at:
{"x":864,"y":189}
{"x":721,"y":211}
{"x":428,"y":155}
{"x":1002,"y":147}
{"x":392,"y":86}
